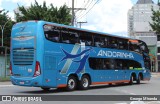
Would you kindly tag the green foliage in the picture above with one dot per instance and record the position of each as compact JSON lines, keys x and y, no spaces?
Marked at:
{"x":5,"y":24}
{"x":42,"y":12}
{"x":156,"y":21}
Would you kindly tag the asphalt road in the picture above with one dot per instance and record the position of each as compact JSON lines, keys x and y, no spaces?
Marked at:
{"x":145,"y":88}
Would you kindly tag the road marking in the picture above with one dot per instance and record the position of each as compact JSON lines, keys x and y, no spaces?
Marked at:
{"x":137,"y":102}
{"x":132,"y":93}
{"x":120,"y":103}
{"x":125,"y":91}
{"x":6,"y":85}
{"x":153,"y":102}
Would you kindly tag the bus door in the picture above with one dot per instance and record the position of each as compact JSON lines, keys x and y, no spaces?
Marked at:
{"x":50,"y":71}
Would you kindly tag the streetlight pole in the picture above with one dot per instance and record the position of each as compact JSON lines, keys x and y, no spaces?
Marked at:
{"x":2,"y":28}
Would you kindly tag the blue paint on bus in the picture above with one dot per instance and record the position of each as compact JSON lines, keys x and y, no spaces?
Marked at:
{"x":41,"y":62}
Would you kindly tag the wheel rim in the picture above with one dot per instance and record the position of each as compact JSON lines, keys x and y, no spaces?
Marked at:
{"x":85,"y":82}
{"x":139,"y":77}
{"x":71,"y":84}
{"x":132,"y":79}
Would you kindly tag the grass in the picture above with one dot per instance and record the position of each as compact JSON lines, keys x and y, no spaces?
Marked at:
{"x":3,"y":79}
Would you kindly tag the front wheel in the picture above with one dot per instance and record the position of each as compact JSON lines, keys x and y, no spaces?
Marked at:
{"x":84,"y":83}
{"x":71,"y":83}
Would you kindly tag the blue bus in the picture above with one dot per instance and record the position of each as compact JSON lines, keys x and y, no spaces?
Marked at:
{"x":51,"y":55}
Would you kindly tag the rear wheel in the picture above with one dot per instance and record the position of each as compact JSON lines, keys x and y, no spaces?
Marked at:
{"x":84,"y":82}
{"x":138,"y":81}
{"x":131,"y":80}
{"x":45,"y":89}
{"x":71,"y":83}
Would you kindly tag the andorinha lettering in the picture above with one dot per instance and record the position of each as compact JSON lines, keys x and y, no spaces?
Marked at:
{"x":115,"y":54}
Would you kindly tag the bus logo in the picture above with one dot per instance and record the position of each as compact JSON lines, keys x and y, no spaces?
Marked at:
{"x":81,"y":62}
{"x":22,"y":28}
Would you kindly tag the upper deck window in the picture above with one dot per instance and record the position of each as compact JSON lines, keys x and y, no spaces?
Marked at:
{"x":86,"y":38}
{"x":143,"y":47}
{"x":65,"y":35}
{"x":69,"y":36}
{"x":52,"y":33}
{"x":74,"y":36}
{"x":100,"y":41}
{"x":123,"y":44}
{"x":134,"y":47}
{"x":113,"y":42}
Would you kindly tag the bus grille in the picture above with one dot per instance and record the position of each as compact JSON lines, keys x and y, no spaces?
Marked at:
{"x":23,"y":56}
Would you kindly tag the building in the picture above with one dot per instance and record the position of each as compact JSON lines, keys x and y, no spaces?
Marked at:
{"x":139,"y":17}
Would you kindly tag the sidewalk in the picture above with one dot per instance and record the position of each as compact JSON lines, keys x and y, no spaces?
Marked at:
{"x":5,"y":83}
{"x":155,"y":74}
{"x":4,"y":79}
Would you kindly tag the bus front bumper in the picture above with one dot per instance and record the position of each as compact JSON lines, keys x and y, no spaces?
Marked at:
{"x":27,"y":81}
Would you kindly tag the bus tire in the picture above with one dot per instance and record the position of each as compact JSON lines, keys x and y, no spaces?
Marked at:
{"x":131,"y":80}
{"x":45,"y":89}
{"x":138,"y":81}
{"x":71,"y":83}
{"x":84,"y":83}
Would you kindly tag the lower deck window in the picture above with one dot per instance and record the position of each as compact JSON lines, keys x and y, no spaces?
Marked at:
{"x":108,"y":64}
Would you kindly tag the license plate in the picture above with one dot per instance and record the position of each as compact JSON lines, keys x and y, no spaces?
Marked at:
{"x":21,"y":82}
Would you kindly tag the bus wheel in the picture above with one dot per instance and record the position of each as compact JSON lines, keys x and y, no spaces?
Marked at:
{"x":138,"y":81}
{"x":131,"y":80}
{"x":84,"y":83}
{"x":45,"y":89}
{"x":71,"y":83}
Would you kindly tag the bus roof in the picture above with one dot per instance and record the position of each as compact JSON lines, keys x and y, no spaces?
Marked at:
{"x":87,"y":30}
{"x":79,"y":29}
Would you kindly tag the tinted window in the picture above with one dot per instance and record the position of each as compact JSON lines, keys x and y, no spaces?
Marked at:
{"x":86,"y":38}
{"x":143,"y":47}
{"x":65,"y":35}
{"x":134,"y":47}
{"x":100,"y":41}
{"x":113,"y":42}
{"x":134,"y":64}
{"x":74,"y":36}
{"x":122,"y":44}
{"x":96,"y":63}
{"x":108,"y":64}
{"x":52,"y":33}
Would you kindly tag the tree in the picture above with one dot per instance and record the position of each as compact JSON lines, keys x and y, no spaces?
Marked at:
{"x":42,"y":12}
{"x":5,"y":25}
{"x":156,"y":21}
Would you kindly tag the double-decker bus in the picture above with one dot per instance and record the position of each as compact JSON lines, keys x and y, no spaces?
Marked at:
{"x":51,"y":55}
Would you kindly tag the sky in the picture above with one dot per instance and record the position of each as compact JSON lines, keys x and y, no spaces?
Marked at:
{"x":109,"y":16}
